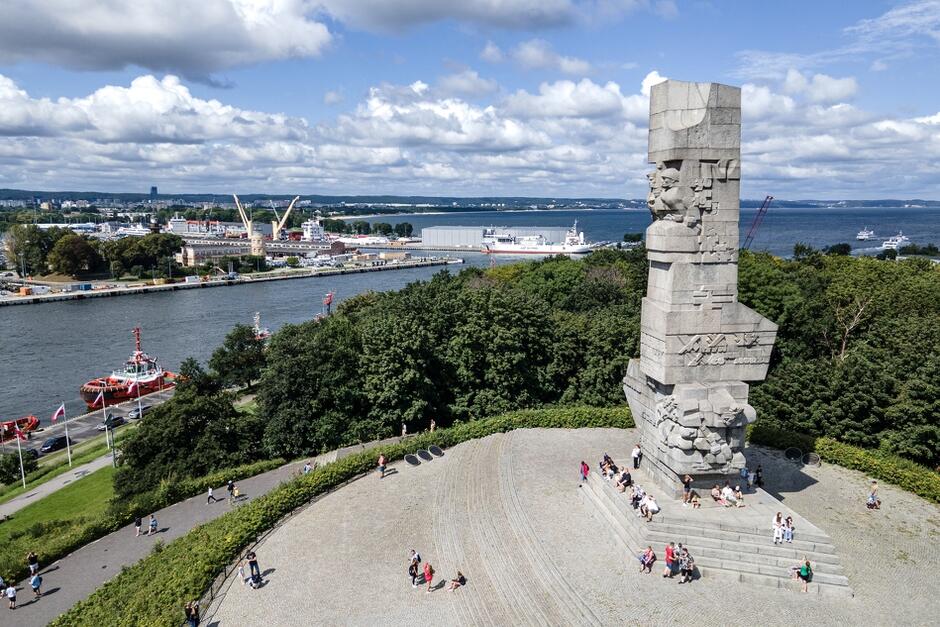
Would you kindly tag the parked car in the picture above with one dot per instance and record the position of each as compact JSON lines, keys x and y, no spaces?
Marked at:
{"x":31,"y":452}
{"x":54,"y":444}
{"x":116,"y":421}
{"x":135,"y":414}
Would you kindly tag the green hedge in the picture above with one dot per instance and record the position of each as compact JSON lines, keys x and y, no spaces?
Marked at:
{"x":120,"y":514}
{"x":155,"y":589}
{"x":901,"y":472}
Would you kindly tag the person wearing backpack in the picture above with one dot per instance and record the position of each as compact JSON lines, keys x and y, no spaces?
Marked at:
{"x":413,"y":567}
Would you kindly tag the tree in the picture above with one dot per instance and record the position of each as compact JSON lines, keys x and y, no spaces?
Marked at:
{"x":404,"y":229}
{"x":839,"y":249}
{"x":633,"y":237}
{"x":73,"y":255}
{"x":10,"y":467}
{"x":382,"y":228}
{"x":292,"y":262}
{"x":117,"y":269}
{"x":240,"y":359}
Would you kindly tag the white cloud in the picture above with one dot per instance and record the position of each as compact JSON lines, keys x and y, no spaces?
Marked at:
{"x":491,"y":53}
{"x":878,"y":66}
{"x":192,"y":38}
{"x":821,"y":87}
{"x":568,"y":138}
{"x":332,"y":97}
{"x":537,"y":54}
{"x":649,"y":80}
{"x":467,"y":83}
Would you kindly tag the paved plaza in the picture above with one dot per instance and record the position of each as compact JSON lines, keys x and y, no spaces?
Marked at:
{"x":505,"y":511}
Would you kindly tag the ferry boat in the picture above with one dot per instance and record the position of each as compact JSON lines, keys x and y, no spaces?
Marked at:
{"x":895,"y":242}
{"x":865,"y":234}
{"x":139,"y":368}
{"x":25,"y":424}
{"x":495,"y":242}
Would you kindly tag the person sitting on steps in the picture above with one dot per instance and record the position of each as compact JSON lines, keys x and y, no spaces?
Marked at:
{"x":716,"y":496}
{"x":624,"y":481}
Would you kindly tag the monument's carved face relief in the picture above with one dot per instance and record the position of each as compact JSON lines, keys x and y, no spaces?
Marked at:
{"x":698,"y":344}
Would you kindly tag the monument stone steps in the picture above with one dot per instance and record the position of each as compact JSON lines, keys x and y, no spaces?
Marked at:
{"x":763,"y":539}
{"x":669,"y":518}
{"x":754,"y":560}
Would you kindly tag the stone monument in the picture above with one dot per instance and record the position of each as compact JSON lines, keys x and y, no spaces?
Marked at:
{"x":698,"y":344}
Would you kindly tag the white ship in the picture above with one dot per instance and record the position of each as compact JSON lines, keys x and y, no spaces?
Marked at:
{"x":865,"y":234}
{"x":495,"y":242}
{"x":895,"y":241}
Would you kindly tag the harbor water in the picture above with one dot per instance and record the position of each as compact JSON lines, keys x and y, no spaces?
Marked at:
{"x":48,"y":351}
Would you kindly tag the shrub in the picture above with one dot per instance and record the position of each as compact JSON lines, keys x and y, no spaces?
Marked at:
{"x":153,"y":591}
{"x":901,"y":472}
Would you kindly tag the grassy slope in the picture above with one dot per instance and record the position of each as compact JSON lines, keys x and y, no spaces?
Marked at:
{"x":43,"y":521}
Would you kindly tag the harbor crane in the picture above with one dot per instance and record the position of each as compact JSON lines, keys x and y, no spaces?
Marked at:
{"x":758,"y":219}
{"x":255,"y":239}
{"x":281,"y":221}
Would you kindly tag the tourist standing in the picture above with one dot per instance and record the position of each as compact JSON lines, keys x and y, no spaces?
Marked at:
{"x":11,"y":595}
{"x":152,"y":526}
{"x":35,"y":582}
{"x":192,"y":613}
{"x":873,"y":501}
{"x":428,"y":575}
{"x":414,"y":567}
{"x":382,"y":463}
{"x":585,"y":469}
{"x":670,"y":560}
{"x":211,"y":497}
{"x":759,"y":476}
{"x":32,"y":560}
{"x":433,"y":427}
{"x":306,"y":470}
{"x":404,"y":429}
{"x":229,"y":486}
{"x":686,"y":566}
{"x":788,"y":530}
{"x":686,"y":490}
{"x":637,"y":456}
{"x":777,"y":524}
{"x":137,"y":523}
{"x":253,"y":569}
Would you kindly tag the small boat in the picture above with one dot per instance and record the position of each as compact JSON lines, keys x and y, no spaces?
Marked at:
{"x":25,"y":424}
{"x":895,"y":242}
{"x":262,"y":334}
{"x":139,"y":368}
{"x":865,"y":234}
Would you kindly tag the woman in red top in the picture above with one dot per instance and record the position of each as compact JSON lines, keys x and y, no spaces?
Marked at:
{"x":428,"y":575}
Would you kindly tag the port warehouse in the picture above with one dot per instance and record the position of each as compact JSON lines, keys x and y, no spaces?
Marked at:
{"x":471,"y":237}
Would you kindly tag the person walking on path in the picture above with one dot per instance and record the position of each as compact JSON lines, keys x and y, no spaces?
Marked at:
{"x":137,"y":523}
{"x":670,"y":560}
{"x":152,"y":525}
{"x":32,"y":560}
{"x":686,"y":566}
{"x":235,"y":494}
{"x":686,"y":490}
{"x":414,"y":567}
{"x":428,"y":576}
{"x":35,"y":582}
{"x":192,"y":613}
{"x":585,"y":469}
{"x":211,"y":497}
{"x":306,"y":470}
{"x":637,"y":456}
{"x":11,"y":595}
{"x":381,"y":465}
{"x":229,"y":487}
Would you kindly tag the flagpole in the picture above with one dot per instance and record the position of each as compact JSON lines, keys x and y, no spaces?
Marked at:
{"x":68,"y":443}
{"x":19,"y":449}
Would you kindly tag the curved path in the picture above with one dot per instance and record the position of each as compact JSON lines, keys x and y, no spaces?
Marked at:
{"x":76,"y":576}
{"x":505,"y":511}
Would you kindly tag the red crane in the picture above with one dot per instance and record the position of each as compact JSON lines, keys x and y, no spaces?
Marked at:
{"x":749,"y":239}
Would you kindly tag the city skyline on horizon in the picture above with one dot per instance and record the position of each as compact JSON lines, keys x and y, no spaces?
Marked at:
{"x":522,"y":98}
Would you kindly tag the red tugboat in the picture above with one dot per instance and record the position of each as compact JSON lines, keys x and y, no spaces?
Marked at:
{"x":139,"y":368}
{"x":25,"y":424}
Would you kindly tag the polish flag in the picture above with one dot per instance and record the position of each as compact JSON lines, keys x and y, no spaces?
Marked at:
{"x":99,"y":398}
{"x":132,"y":388}
{"x":19,"y":433}
{"x":59,"y":413}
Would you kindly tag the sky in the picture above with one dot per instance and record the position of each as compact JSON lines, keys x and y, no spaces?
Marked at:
{"x":541,"y":98}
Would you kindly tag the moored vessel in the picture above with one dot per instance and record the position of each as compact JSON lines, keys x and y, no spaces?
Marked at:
{"x":25,"y":424}
{"x":141,"y":375}
{"x":495,"y":242}
{"x":865,"y":234}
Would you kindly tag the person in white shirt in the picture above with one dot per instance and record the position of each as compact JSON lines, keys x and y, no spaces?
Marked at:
{"x":637,"y":456}
{"x":728,"y":494}
{"x":11,"y":595}
{"x":778,"y":528}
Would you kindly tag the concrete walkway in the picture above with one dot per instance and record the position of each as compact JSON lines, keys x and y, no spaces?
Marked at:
{"x":74,"y":577}
{"x":56,"y":483}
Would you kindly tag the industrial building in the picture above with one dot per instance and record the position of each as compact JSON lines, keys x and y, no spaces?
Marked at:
{"x":471,"y":237}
